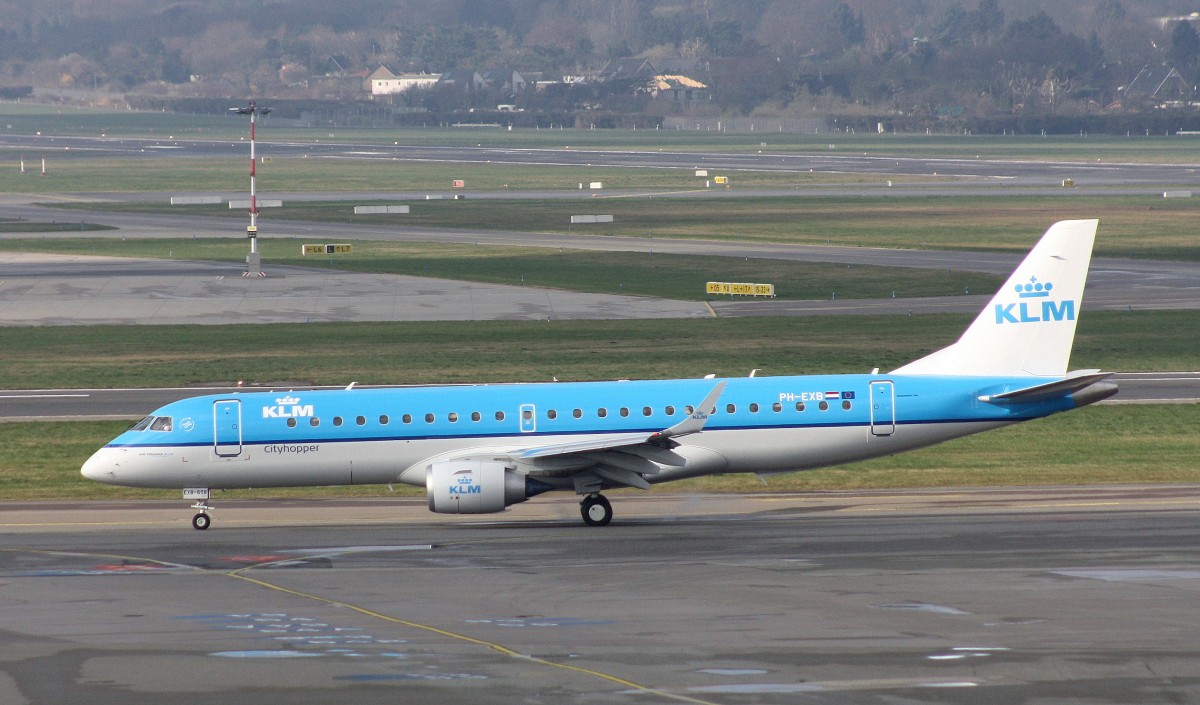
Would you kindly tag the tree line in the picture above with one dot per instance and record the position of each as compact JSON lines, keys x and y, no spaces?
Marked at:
{"x":781,"y":57}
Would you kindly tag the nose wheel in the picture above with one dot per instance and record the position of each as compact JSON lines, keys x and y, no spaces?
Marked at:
{"x":201,"y":521}
{"x":596,"y":510}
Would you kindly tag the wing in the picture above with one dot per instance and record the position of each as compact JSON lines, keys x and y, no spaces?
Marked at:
{"x":623,"y":459}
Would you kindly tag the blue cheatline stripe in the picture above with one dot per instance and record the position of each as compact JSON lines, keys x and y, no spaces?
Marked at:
{"x":565,"y":432}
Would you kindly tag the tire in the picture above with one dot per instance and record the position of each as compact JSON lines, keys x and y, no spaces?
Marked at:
{"x":596,"y":510}
{"x":201,"y":521}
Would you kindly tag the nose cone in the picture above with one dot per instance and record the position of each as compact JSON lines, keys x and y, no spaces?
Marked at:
{"x":102,"y":466}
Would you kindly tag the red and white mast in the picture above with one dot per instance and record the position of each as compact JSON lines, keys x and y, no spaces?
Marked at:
{"x":254,"y":261}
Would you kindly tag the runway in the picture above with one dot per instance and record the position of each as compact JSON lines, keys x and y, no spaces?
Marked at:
{"x":1063,"y":595}
{"x":1009,"y":172}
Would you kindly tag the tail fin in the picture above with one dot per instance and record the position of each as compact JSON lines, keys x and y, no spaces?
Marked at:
{"x":1028,"y":327}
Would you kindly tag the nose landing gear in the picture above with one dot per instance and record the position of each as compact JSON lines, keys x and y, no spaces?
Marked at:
{"x":596,"y":510}
{"x":201,"y":521}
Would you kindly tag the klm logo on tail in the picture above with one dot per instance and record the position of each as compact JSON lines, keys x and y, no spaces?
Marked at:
{"x":1030,"y":310}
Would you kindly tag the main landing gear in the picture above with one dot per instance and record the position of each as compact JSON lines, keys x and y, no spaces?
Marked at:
{"x":596,"y":510}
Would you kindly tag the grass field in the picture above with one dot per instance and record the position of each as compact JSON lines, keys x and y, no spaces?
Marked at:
{"x":678,"y":277}
{"x":88,"y":173}
{"x":1099,"y":444}
{"x":530,"y":351}
{"x":1130,"y":226}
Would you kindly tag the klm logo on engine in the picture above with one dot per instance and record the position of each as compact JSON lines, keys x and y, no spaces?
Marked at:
{"x":288,"y":407}
{"x":465,"y":484}
{"x":1036,"y":305}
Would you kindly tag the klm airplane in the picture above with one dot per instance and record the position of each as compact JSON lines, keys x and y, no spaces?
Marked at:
{"x":479,"y":449}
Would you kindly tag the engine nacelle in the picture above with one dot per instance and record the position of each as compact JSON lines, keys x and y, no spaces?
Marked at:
{"x":477,"y":487}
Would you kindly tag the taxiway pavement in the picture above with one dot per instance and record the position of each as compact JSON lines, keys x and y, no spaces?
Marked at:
{"x":1054,"y":595}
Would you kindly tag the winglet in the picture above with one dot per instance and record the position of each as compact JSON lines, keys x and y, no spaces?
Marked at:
{"x":695,"y":422}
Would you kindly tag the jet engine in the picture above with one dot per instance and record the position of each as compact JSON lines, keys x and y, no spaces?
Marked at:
{"x":477,"y":487}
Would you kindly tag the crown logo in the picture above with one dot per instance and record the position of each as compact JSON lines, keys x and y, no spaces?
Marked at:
{"x":1034,"y":289}
{"x":288,"y":400}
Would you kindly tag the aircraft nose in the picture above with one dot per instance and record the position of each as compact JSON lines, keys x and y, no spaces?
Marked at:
{"x":101,"y":467}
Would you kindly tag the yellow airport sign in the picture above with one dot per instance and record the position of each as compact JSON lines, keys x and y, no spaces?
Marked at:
{"x":336,"y":249}
{"x":740,"y":289}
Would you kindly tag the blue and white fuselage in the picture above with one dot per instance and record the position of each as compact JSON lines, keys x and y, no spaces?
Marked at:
{"x":482,"y":448}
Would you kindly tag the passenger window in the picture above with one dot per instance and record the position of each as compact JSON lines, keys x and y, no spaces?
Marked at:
{"x":602,"y":412}
{"x":475,"y":416}
{"x":407,"y":418}
{"x":689,"y":410}
{"x":624,"y":411}
{"x":552,"y":414}
{"x":799,"y":406}
{"x":499,"y":415}
{"x":162,"y":423}
{"x":670,"y":411}
{"x":846,"y":405}
{"x":452,"y":417}
{"x":730,"y":408}
{"x":314,"y":422}
{"x":337,"y":420}
{"x":383,"y":420}
{"x":754,"y":408}
{"x":527,"y":414}
{"x":647,"y":411}
{"x":429,"y":418}
{"x":578,"y":413}
{"x":823,"y":406}
{"x":777,"y":407}
{"x":291,"y":423}
{"x":361,"y":421}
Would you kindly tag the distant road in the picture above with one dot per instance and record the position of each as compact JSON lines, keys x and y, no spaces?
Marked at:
{"x":64,"y":404}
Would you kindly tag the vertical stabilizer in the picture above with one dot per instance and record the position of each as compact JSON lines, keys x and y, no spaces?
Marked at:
{"x":1028,"y":327}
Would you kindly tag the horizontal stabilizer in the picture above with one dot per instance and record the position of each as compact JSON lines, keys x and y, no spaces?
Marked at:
{"x":1050,"y":390}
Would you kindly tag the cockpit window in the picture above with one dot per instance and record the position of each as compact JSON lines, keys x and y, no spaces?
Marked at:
{"x":161,"y":423}
{"x":142,"y":425}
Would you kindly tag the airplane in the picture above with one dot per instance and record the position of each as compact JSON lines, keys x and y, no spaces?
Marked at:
{"x":479,"y":449}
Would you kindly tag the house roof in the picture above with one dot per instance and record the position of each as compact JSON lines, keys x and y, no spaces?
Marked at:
{"x":667,"y":82}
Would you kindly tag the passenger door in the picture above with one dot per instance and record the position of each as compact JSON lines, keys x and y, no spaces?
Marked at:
{"x":883,"y":408}
{"x":227,"y":428}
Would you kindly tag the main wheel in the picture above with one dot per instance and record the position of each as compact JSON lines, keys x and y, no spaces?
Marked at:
{"x":596,"y":510}
{"x":201,"y":521}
